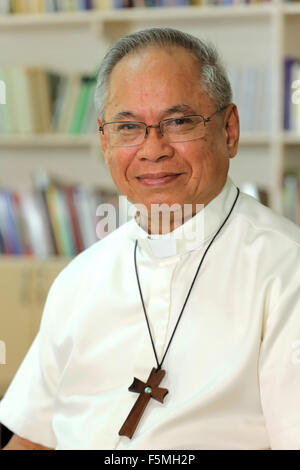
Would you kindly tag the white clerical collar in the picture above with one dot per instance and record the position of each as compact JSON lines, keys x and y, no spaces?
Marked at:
{"x":191,"y":235}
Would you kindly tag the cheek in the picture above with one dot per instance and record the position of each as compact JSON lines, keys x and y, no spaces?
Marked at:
{"x":194,"y":155}
{"x":118,"y":162}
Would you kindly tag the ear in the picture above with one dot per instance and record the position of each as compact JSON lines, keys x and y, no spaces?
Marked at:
{"x":104,"y":143}
{"x":232,"y":129}
{"x":103,"y":137}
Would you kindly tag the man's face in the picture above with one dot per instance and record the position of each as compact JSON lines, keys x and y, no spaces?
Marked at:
{"x":144,"y":87}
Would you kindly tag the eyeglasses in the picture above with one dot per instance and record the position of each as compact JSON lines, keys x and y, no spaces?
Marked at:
{"x":180,"y":129}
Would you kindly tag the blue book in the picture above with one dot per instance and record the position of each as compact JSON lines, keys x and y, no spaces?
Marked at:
{"x":1,"y":244}
{"x":14,"y":236}
{"x":117,"y":4}
{"x":81,"y":4}
{"x":88,"y":4}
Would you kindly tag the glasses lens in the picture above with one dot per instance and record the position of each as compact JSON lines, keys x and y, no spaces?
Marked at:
{"x":184,"y":128}
{"x":125,"y":133}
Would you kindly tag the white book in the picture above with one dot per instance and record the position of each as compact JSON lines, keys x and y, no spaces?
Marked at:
{"x":85,"y":216}
{"x":49,"y":5}
{"x":249,"y":99}
{"x":295,"y":104}
{"x":69,"y":102}
{"x":269,"y":93}
{"x":36,"y":224}
{"x":290,"y":196}
{"x":4,"y":7}
{"x":22,"y":104}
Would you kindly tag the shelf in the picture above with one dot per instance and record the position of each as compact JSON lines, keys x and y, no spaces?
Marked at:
{"x":291,"y":9}
{"x":190,"y":12}
{"x":291,"y":138}
{"x":16,"y":260}
{"x":136,"y":14}
{"x":255,"y":138}
{"x":47,"y":140}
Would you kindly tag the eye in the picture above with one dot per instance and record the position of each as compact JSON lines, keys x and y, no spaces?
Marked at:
{"x":129,"y":126}
{"x":181,"y":121}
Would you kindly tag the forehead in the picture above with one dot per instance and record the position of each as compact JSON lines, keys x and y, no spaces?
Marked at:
{"x":155,"y":78}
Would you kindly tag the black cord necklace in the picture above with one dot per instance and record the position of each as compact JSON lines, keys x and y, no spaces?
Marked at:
{"x":150,"y":389}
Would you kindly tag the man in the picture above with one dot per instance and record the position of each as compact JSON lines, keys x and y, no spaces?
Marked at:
{"x":200,"y":320}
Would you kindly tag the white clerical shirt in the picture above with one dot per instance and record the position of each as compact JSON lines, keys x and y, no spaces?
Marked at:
{"x":233,"y":366}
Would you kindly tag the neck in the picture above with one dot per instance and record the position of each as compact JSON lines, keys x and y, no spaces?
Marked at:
{"x":167,"y":219}
{"x":163,"y":218}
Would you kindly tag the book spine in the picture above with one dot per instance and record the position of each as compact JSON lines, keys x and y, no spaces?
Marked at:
{"x":288,"y":63}
{"x":291,"y":195}
{"x":26,"y":247}
{"x":4,"y":228}
{"x":64,"y":225}
{"x":68,"y":190}
{"x":14,"y":235}
{"x":46,"y":209}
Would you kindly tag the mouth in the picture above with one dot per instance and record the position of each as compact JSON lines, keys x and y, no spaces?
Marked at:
{"x":157,"y":179}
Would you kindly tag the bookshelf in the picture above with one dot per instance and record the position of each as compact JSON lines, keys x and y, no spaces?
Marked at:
{"x":258,"y":34}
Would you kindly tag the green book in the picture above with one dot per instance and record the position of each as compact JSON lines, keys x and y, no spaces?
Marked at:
{"x":80,"y":107}
{"x":64,"y":224}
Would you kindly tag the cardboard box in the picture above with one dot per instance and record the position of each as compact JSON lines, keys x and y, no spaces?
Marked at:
{"x":24,"y":285}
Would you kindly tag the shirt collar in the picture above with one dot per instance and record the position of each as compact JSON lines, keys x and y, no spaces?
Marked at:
{"x":191,"y":235}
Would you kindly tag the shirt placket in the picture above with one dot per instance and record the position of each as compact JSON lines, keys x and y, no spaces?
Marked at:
{"x":159,"y":305}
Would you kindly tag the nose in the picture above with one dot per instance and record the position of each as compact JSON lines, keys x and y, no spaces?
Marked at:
{"x":155,"y":146}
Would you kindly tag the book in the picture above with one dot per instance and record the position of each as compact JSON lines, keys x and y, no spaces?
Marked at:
{"x":42,"y":101}
{"x":289,"y":64}
{"x":291,"y":190}
{"x":36,"y":224}
{"x":53,"y":218}
{"x":295,"y":98}
{"x":12,"y":233}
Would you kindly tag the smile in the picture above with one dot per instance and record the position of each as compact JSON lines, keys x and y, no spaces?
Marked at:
{"x":157,"y":179}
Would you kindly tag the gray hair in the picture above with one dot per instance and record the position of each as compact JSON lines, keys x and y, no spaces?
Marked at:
{"x":214,"y":77}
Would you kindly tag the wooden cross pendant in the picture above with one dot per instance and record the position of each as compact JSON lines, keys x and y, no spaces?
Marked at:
{"x":146,"y":390}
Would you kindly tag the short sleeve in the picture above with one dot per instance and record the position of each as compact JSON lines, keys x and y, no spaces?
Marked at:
{"x":27,"y":406}
{"x":279,"y":364}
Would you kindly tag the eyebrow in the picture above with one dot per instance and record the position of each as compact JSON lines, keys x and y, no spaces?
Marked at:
{"x":178,"y":108}
{"x":124,"y":114}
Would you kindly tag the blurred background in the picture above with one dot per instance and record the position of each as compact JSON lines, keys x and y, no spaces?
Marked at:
{"x":52,"y":172}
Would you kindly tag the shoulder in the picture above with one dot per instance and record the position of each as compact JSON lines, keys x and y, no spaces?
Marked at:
{"x":264,"y":222}
{"x":93,"y":262}
{"x":269,"y":243}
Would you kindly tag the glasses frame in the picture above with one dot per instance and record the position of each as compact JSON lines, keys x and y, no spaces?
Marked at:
{"x":159,"y":125}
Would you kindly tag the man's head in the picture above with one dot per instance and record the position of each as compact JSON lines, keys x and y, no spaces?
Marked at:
{"x":160,"y":74}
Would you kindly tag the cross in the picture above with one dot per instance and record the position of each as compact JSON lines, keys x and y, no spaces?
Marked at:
{"x":146,"y":390}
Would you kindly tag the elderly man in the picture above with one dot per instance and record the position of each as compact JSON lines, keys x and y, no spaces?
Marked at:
{"x":184,"y":337}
